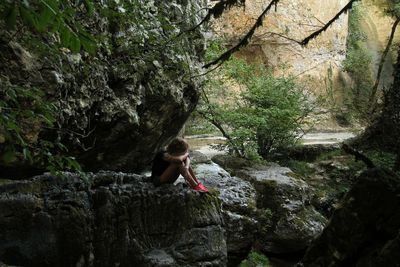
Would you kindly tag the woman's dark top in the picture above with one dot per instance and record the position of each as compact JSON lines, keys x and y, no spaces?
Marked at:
{"x":159,"y":164}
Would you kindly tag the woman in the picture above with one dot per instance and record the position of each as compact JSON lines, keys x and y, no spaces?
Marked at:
{"x":169,"y":164}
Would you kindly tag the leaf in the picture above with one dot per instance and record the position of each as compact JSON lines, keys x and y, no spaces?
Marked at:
{"x":9,"y":156}
{"x":75,"y":44}
{"x":11,"y":17}
{"x":28,"y":17}
{"x":11,"y":125}
{"x":73,"y":164}
{"x":89,"y":7}
{"x":65,"y":34}
{"x":87,"y":41}
{"x":55,"y":27}
{"x":49,"y":7}
{"x":27,"y":154}
{"x":45,"y":19}
{"x":52,"y":170}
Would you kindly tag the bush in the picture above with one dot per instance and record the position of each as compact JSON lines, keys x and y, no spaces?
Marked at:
{"x":255,"y":260}
{"x":258,"y":113}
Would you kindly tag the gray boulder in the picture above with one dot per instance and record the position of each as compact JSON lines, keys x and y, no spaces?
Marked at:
{"x":289,"y":221}
{"x":238,"y":207}
{"x":113,"y":219}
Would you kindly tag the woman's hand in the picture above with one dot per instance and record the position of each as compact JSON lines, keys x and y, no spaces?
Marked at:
{"x":183,"y":157}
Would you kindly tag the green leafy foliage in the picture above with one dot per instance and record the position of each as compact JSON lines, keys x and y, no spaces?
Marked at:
{"x":358,"y":64}
{"x":259,"y":113}
{"x":255,"y":259}
{"x":152,"y":38}
{"x":394,"y":9}
{"x":51,"y":16}
{"x":23,"y":114}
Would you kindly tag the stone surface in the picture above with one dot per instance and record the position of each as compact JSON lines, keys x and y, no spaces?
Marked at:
{"x":293,"y":222}
{"x":118,"y":106}
{"x":296,"y":20}
{"x":114,"y":219}
{"x":364,"y":230}
{"x":238,"y":207}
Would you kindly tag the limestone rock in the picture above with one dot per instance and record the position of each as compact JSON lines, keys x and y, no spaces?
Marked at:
{"x":120,"y":105}
{"x":114,"y":219}
{"x":294,"y":223}
{"x":238,"y":207}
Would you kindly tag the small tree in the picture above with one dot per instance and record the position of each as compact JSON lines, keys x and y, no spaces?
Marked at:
{"x":259,"y":113}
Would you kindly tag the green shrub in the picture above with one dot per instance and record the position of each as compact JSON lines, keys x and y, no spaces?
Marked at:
{"x":358,"y":64}
{"x":255,"y":259}
{"x":300,"y":167}
{"x":258,"y":113}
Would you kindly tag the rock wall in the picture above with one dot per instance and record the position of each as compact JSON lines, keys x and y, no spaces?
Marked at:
{"x":377,"y":26}
{"x":118,"y":106}
{"x":113,"y":219}
{"x":296,"y":20}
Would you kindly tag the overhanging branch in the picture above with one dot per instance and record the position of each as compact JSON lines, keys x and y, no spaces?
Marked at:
{"x":316,"y":33}
{"x":245,"y":40}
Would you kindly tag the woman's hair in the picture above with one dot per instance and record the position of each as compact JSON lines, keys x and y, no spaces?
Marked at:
{"x":177,"y":146}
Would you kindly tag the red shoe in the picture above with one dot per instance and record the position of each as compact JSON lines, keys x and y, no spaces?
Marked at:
{"x":201,"y":188}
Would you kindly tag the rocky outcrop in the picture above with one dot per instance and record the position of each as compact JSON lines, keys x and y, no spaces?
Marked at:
{"x":238,"y":208}
{"x":118,"y":106}
{"x":112,"y":219}
{"x":263,"y":207}
{"x":364,"y":230}
{"x":287,"y":222}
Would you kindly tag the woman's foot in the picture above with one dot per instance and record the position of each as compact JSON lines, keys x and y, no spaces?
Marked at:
{"x":201,"y":188}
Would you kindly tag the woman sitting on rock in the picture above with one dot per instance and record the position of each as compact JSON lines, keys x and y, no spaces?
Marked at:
{"x":169,"y":164}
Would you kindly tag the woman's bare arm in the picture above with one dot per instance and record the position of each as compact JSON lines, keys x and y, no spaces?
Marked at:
{"x":175,"y":159}
{"x":187,"y":162}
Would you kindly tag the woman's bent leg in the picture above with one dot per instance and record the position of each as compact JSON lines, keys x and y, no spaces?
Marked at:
{"x":170,"y":174}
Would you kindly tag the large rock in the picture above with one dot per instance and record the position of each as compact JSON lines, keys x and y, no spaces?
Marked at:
{"x":238,"y":208}
{"x":294,"y":222}
{"x":114,"y":219}
{"x":121,"y":104}
{"x":364,"y":230}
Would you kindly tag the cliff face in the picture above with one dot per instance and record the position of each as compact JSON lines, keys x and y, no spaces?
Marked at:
{"x":296,"y":20}
{"x":318,"y":64}
{"x":121,"y":104}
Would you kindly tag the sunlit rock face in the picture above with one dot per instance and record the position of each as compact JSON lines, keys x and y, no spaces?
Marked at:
{"x":112,"y":219}
{"x":294,"y":20}
{"x":319,"y":64}
{"x":119,"y":105}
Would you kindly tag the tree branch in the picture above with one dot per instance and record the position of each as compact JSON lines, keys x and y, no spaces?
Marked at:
{"x":245,"y":40}
{"x":217,"y":10}
{"x":358,"y":156}
{"x":316,"y":33}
